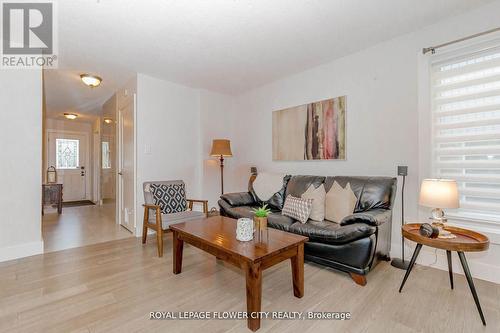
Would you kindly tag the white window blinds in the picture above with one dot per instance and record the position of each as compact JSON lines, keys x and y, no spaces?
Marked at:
{"x":466,"y":127}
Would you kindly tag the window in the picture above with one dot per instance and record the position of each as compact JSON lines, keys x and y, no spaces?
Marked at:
{"x":106,"y":158}
{"x":465,"y":90}
{"x":67,"y":154}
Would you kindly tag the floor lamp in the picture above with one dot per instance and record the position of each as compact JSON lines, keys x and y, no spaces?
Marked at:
{"x":221,"y":148}
{"x":397,"y":262}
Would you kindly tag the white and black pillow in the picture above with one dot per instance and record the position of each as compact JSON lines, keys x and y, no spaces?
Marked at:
{"x":297,"y":208}
{"x":170,"y":197}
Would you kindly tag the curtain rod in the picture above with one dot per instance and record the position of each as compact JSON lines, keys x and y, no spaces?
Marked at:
{"x":432,"y":49}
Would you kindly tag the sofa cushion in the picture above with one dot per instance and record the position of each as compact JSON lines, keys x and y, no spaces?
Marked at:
{"x":274,"y":220}
{"x":318,"y":206}
{"x":297,"y":208}
{"x":339,"y":202}
{"x":373,"y":217}
{"x":331,"y":232}
{"x":270,"y":189}
{"x":297,"y":185}
{"x":168,"y":219}
{"x":280,"y":222}
{"x":372,"y":192}
{"x":240,"y":211}
{"x":238,"y":199}
{"x":170,"y":197}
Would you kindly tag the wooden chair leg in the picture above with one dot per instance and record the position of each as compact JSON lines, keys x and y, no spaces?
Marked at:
{"x":145,"y":225}
{"x":159,"y":233}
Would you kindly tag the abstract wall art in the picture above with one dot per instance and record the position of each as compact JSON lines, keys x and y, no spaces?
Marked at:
{"x":314,"y":131}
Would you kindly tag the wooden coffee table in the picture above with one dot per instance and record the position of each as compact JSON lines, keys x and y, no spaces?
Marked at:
{"x":465,"y":241}
{"x":217,"y":236}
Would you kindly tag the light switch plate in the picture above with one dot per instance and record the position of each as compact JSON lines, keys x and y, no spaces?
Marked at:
{"x":147,"y":148}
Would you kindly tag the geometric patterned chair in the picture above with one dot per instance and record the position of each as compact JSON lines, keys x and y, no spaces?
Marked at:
{"x":165,"y":203}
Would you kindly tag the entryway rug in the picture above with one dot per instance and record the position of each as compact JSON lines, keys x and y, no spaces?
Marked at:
{"x":78,"y":203}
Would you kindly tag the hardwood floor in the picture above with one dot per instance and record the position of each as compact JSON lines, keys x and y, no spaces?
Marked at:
{"x":80,"y":226}
{"x":112,"y":287}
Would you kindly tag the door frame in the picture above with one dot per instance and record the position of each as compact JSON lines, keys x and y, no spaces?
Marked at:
{"x":88,"y":172}
{"x":119,"y":148}
{"x":97,"y":165}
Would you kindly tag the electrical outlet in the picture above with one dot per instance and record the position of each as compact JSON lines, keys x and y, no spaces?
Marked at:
{"x":402,"y":170}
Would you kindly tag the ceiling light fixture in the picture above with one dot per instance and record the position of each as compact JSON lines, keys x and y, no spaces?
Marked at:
{"x":91,"y":80}
{"x":70,"y":116}
{"x":108,"y":120}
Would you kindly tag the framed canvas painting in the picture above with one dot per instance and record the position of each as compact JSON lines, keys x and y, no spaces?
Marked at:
{"x":314,"y":131}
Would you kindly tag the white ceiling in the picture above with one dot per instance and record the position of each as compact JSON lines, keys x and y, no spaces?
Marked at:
{"x":222,"y":45}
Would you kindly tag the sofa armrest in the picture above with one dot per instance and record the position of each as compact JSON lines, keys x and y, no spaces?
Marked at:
{"x":238,"y":199}
{"x":374,"y":217}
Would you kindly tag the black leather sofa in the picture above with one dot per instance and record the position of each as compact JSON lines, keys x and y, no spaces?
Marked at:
{"x":354,"y":245}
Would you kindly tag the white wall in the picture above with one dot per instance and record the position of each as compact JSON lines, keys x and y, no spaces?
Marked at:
{"x":20,"y":169}
{"x":381,"y":119}
{"x":68,"y":125}
{"x":215,"y":124}
{"x":168,"y":136}
{"x":385,"y":110}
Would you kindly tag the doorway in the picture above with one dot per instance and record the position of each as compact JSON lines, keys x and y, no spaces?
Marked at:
{"x":83,"y":141}
{"x":81,"y":151}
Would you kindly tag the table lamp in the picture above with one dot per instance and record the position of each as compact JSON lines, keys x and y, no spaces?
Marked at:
{"x":221,"y":148}
{"x":439,"y":194}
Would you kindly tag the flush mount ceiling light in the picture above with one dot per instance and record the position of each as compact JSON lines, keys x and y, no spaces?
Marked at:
{"x":71,"y":116}
{"x":108,"y":120}
{"x":91,"y":80}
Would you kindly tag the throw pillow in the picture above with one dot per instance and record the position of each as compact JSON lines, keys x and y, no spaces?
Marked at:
{"x":269,"y":188}
{"x":297,"y":208}
{"x":339,"y":202}
{"x":171,"y":198}
{"x":318,"y":205}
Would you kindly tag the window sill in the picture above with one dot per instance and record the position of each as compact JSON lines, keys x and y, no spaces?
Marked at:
{"x":489,"y":227}
{"x":479,"y":218}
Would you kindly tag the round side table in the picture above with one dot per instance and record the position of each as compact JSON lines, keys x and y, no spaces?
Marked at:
{"x":465,"y":241}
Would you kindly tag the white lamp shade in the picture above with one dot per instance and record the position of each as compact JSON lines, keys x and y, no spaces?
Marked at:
{"x":439,"y":193}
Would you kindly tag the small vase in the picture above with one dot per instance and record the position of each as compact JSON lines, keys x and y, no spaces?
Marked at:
{"x":260,"y":223}
{"x":244,"y":229}
{"x":260,"y":226}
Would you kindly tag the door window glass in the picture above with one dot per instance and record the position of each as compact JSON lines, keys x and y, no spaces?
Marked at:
{"x":67,"y":154}
{"x":106,"y":158}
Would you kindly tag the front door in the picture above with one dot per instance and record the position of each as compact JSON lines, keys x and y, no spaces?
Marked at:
{"x":68,"y":153}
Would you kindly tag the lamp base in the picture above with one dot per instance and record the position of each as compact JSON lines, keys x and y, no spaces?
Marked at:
{"x":443,"y":233}
{"x":400,"y":263}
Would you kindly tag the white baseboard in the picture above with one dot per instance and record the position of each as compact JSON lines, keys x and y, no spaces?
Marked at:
{"x":21,"y":250}
{"x":437,"y":259}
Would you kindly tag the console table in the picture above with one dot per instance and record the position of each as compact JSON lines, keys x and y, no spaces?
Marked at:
{"x":52,"y":194}
{"x":465,"y":241}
